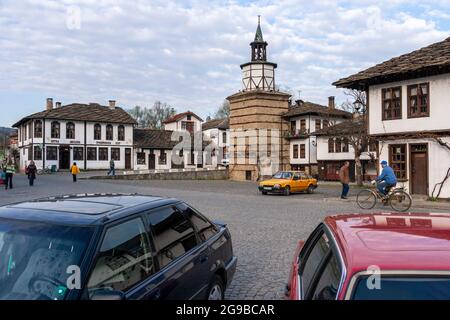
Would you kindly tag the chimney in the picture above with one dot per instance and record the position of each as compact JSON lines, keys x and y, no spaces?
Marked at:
{"x":331,"y":102}
{"x":58,"y":104}
{"x":112,"y":104}
{"x":49,"y":103}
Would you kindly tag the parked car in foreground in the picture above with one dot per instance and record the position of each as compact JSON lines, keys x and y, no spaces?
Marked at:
{"x":374,"y":257}
{"x":287,"y":182}
{"x":120,"y":246}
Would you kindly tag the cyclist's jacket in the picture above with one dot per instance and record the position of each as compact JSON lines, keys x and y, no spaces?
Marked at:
{"x":388,"y":175}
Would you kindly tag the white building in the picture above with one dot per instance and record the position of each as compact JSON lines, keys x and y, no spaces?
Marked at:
{"x":408,"y":108}
{"x":89,"y":134}
{"x":217,"y":131}
{"x":185,"y":121}
{"x":334,"y":149}
{"x":305,"y":119}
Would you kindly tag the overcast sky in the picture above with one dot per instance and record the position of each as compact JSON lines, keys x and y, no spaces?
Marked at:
{"x":187,"y":53}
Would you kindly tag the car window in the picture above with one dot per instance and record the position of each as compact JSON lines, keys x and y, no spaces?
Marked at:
{"x":313,"y":260}
{"x":328,"y":284}
{"x":204,"y":228}
{"x":296,"y":176}
{"x":403,"y":288}
{"x":173,"y":234}
{"x":31,"y":253}
{"x":124,"y":259}
{"x":282,"y":175}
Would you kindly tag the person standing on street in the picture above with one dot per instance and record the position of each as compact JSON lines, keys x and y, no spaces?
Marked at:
{"x":74,"y":170}
{"x":10,"y":169}
{"x":344,"y":177}
{"x":31,"y":172}
{"x":112,"y":168}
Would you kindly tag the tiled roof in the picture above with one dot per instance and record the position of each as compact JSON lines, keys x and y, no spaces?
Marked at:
{"x":153,"y":138}
{"x":344,"y":128}
{"x":83,"y":112}
{"x":180,"y":116}
{"x":223,"y":124}
{"x":434,"y":59}
{"x":158,"y":139}
{"x":305,"y":108}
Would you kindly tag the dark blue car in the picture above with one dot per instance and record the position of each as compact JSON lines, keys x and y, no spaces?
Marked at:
{"x":112,"y":247}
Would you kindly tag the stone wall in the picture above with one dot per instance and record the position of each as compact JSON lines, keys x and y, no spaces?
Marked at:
{"x":178,"y":175}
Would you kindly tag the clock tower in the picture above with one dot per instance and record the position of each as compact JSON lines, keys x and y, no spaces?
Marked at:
{"x":258,"y":73}
{"x":257,"y":144}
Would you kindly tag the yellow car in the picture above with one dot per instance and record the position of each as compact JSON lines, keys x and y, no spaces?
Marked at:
{"x":287,"y":182}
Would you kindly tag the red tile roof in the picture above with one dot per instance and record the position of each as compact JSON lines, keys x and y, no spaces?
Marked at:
{"x":180,"y":116}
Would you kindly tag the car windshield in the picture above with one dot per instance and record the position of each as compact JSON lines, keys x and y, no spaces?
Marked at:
{"x":283,"y":175}
{"x":417,"y":288}
{"x":35,"y":259}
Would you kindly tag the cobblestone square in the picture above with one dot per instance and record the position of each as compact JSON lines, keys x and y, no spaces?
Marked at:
{"x":265,"y":229}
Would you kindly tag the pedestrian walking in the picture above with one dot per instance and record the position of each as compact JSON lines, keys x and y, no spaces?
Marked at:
{"x":10,"y":170}
{"x":74,"y":170}
{"x":344,"y":177}
{"x":112,"y":168}
{"x":31,"y":170}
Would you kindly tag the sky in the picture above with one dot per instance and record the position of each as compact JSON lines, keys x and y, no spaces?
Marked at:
{"x":188,"y":53}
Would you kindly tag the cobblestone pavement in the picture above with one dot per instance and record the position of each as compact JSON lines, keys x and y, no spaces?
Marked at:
{"x":265,"y":229}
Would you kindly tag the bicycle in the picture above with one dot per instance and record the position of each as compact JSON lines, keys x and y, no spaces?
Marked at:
{"x":397,"y":197}
{"x":46,"y":170}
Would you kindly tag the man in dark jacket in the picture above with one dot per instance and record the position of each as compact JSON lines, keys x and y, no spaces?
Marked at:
{"x":31,"y":172}
{"x":344,"y":177}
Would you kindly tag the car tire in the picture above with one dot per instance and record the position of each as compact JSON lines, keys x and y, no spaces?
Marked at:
{"x":310,"y":189}
{"x":264,"y":192}
{"x":216,"y":290}
{"x":287,"y":191}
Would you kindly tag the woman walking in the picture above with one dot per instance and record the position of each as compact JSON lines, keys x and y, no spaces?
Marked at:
{"x":9,"y":171}
{"x":74,"y":170}
{"x":31,"y":172}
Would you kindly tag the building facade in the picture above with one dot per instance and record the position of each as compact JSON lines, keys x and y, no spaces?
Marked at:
{"x":257,"y":147}
{"x":305,"y":118}
{"x":408,"y":113}
{"x":334,"y":148}
{"x":186,"y":121}
{"x":89,"y":134}
{"x":217,"y":131}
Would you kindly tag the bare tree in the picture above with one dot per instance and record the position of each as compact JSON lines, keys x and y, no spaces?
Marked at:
{"x":355,"y":132}
{"x":152,"y":117}
{"x":223,"y":111}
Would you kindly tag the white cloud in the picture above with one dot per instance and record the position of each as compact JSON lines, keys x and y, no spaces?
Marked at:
{"x":188,"y":53}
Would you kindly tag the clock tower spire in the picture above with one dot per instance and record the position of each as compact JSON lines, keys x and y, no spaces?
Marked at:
{"x":258,"y":74}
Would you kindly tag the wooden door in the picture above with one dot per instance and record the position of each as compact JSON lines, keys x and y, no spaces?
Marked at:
{"x":151,"y":161}
{"x":128,"y":158}
{"x":419,"y":169}
{"x":64,"y":157}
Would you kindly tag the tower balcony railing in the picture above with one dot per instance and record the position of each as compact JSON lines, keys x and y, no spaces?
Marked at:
{"x":296,"y":134}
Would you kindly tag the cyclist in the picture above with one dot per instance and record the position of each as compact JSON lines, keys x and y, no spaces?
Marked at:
{"x":386,"y":180}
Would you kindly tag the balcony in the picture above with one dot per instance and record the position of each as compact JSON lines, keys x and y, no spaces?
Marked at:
{"x":296,"y":134}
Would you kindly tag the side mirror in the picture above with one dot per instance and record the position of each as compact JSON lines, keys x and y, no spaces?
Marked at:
{"x":108,"y":295}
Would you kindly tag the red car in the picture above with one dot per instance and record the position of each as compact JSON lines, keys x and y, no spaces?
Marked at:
{"x":382,"y":256}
